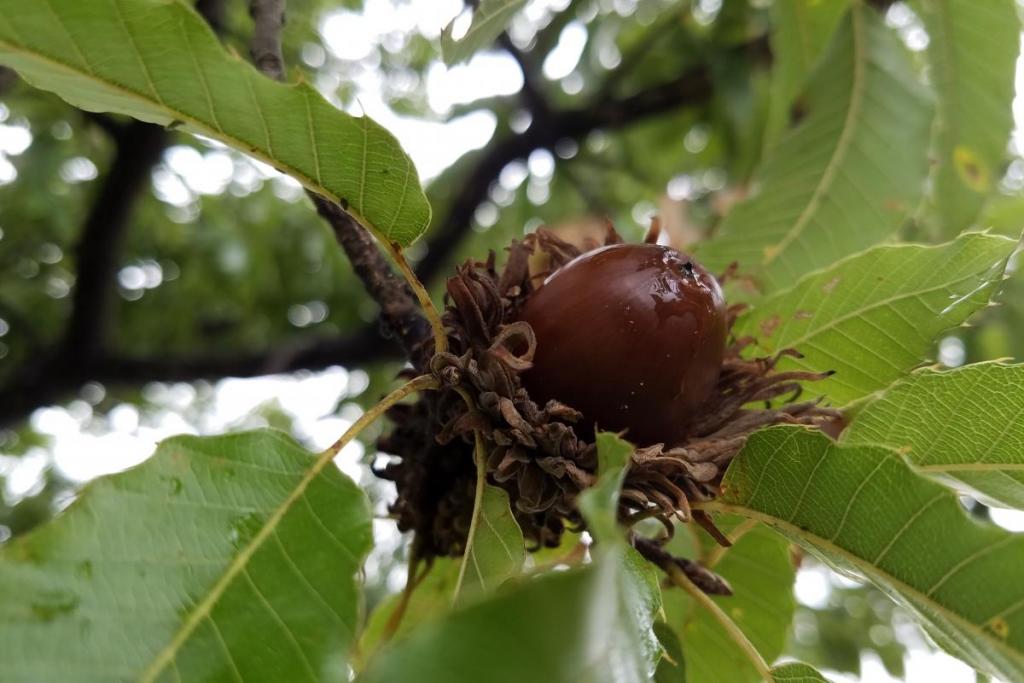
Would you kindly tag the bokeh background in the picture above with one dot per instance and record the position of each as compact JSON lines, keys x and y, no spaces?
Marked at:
{"x":234,"y":308}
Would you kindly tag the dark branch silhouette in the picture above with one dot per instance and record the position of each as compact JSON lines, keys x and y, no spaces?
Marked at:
{"x":400,"y":314}
{"x":265,"y":47}
{"x":691,"y":88}
{"x":139,"y":147}
{"x":7,"y":79}
{"x":399,"y":311}
{"x":53,"y":382}
{"x":61,"y":371}
{"x":215,"y":13}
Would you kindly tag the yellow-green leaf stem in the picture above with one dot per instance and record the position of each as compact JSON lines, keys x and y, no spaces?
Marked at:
{"x":735,"y":634}
{"x":495,"y":549}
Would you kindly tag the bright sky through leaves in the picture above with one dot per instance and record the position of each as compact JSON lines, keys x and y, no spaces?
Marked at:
{"x":433,"y":146}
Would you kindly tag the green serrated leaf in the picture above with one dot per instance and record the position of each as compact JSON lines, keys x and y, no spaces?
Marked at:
{"x":158,"y":61}
{"x":632,"y":581}
{"x":797,"y":672}
{"x":802,"y":30}
{"x":495,"y":551}
{"x":431,"y":600}
{"x":672,"y":665}
{"x":489,"y":19}
{"x":873,"y":316}
{"x":972,"y":49}
{"x":563,"y":627}
{"x":226,"y":558}
{"x":864,"y":509}
{"x":600,"y":503}
{"x":962,"y":426}
{"x":760,"y":571}
{"x":1004,"y":215}
{"x":848,"y":174}
{"x":589,"y":625}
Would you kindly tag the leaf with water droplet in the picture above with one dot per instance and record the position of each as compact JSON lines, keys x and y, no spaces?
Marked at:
{"x":49,"y":604}
{"x":84,"y":569}
{"x":269,"y":557}
{"x":245,"y":528}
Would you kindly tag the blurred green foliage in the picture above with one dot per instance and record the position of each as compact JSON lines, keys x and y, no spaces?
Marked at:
{"x":249,"y":267}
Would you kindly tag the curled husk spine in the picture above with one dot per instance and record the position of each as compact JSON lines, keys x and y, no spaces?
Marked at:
{"x":533,"y":451}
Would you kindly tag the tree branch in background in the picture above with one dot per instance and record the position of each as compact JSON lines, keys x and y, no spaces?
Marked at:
{"x":366,"y":346}
{"x":692,"y":87}
{"x":268,"y":17}
{"x":47,"y":381}
{"x":532,"y":92}
{"x":215,"y":13}
{"x":7,"y":79}
{"x":400,"y":315}
{"x":26,"y":393}
{"x":107,"y":123}
{"x":139,"y":147}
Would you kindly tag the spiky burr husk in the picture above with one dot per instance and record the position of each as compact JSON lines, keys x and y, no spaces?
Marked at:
{"x":534,"y":451}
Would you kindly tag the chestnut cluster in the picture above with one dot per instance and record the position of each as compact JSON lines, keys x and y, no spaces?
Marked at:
{"x":563,"y":340}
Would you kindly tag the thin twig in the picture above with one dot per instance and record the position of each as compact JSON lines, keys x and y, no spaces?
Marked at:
{"x":701,"y":576}
{"x":400,"y":316}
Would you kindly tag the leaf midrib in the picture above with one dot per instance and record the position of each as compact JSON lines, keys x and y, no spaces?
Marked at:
{"x":238,"y":565}
{"x":843,"y":144}
{"x":868,"y":569}
{"x":973,"y":467}
{"x":835,"y":322}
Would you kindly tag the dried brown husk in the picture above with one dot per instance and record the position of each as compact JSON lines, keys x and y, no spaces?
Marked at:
{"x":534,"y":452}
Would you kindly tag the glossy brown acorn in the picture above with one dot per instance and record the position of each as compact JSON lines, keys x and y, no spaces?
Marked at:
{"x":632,"y":336}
